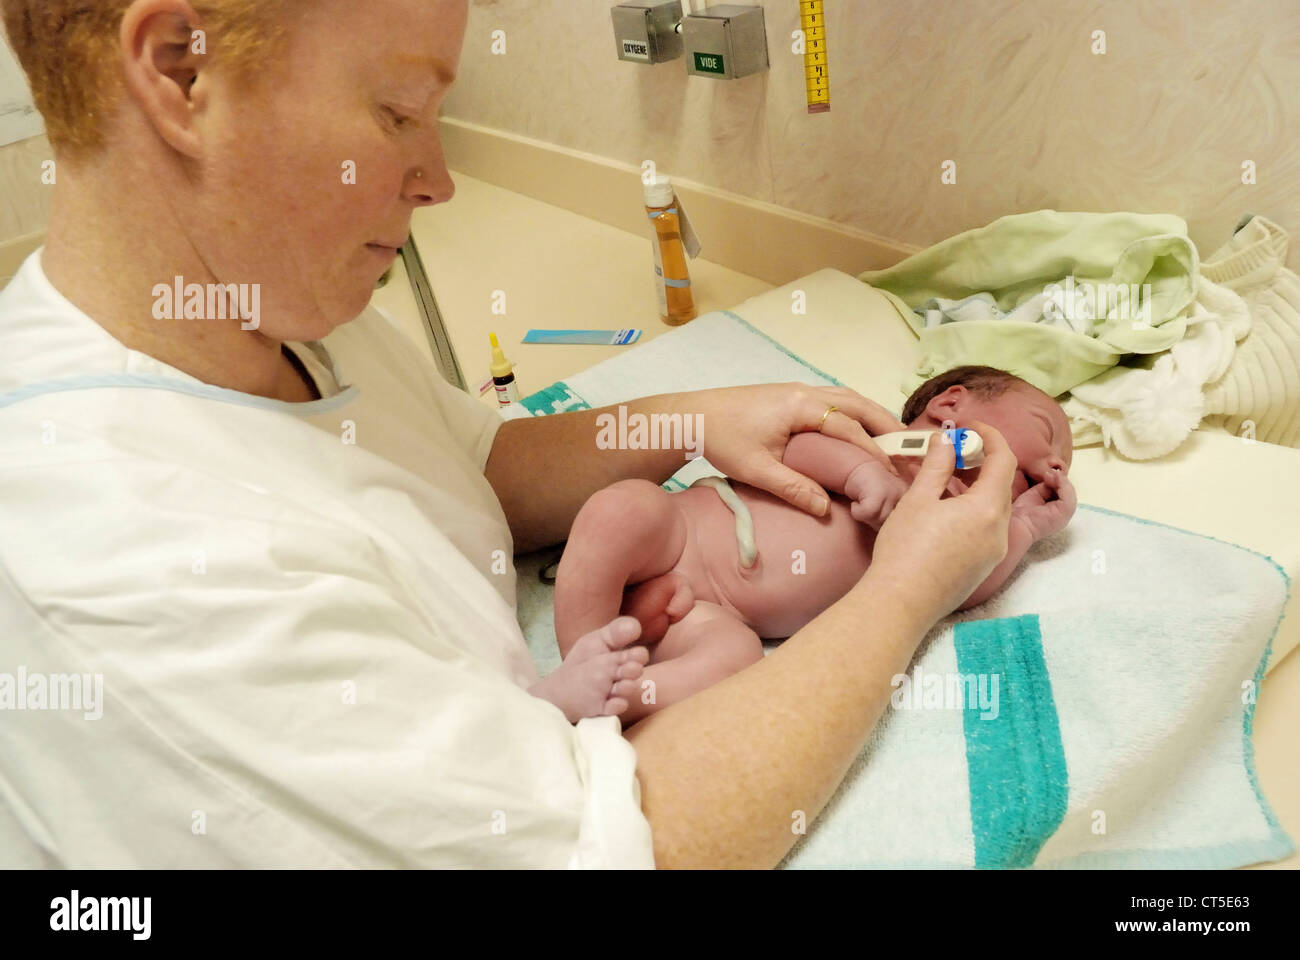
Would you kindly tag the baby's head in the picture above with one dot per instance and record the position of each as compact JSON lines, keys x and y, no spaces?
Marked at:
{"x":1035,"y":426}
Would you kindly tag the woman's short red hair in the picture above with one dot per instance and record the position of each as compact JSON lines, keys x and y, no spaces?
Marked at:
{"x":69,"y":50}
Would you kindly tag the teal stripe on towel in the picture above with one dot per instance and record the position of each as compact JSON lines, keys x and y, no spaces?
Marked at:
{"x":1018,"y":779}
{"x":544,"y":401}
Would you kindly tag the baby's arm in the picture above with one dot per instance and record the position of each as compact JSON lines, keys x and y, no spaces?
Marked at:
{"x":1033,"y":516}
{"x":825,"y":459}
{"x":1019,"y":539}
{"x":843,"y":468}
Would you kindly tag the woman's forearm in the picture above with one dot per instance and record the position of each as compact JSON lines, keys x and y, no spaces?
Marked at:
{"x":726,"y":774}
{"x":544,"y":468}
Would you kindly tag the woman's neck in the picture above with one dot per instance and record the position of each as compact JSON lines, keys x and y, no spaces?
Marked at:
{"x":106,"y":259}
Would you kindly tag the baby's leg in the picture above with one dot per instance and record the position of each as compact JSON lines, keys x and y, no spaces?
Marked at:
{"x":627,"y":533}
{"x":706,"y":646}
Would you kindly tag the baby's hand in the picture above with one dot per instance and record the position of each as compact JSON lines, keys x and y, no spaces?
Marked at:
{"x":874,"y":492}
{"x":1046,"y":507}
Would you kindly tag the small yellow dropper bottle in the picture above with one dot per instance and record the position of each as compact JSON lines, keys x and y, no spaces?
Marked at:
{"x":503,"y":375}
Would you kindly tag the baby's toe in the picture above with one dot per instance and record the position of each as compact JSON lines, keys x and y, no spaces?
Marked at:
{"x":615,"y":706}
{"x":616,"y":634}
{"x":627,"y":689}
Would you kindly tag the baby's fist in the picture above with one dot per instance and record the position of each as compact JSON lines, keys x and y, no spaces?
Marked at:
{"x":874,"y":492}
{"x":1046,"y":507}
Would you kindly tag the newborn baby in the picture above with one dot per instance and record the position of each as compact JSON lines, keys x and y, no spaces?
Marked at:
{"x":671,"y":561}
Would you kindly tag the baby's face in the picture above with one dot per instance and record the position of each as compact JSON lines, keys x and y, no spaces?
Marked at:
{"x":1034,"y":425}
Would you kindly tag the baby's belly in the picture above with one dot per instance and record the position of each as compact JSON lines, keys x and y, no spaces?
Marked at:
{"x":804,"y":563}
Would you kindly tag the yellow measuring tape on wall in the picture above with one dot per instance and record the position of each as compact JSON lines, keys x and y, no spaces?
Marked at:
{"x":817,"y":76}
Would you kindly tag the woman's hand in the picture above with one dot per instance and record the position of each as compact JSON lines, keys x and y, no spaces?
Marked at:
{"x":936,"y":552}
{"x":746,"y":430}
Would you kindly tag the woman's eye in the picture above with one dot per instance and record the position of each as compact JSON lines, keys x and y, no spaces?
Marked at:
{"x":398,"y":120}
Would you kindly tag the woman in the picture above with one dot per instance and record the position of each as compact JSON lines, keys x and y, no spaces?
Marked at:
{"x":289,"y":560}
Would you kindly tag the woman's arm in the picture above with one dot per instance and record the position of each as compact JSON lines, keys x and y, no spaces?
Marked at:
{"x":544,"y":468}
{"x":728,"y":773}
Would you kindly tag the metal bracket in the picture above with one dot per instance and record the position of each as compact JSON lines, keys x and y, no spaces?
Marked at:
{"x":443,"y":353}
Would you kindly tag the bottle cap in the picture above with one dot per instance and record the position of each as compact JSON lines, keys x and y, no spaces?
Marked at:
{"x":659,"y":192}
{"x":501,"y":367}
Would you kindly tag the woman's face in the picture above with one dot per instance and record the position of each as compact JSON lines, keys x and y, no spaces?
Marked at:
{"x":309,"y":188}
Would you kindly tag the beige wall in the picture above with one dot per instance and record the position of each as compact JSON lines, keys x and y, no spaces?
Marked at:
{"x":24,"y":200}
{"x":1187,"y":91}
{"x":1010,"y":91}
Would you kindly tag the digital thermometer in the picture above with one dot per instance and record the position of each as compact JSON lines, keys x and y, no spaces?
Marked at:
{"x":816,"y":73}
{"x":915,"y":443}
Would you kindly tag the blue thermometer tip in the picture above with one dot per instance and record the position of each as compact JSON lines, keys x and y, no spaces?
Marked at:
{"x":957,"y":437}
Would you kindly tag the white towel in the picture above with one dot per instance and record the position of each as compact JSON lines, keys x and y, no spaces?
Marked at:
{"x":1127,"y":654}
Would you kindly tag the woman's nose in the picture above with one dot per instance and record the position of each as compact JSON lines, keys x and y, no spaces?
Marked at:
{"x":430,"y":184}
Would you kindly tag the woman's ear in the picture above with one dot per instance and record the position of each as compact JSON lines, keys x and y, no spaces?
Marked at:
{"x":164,"y":53}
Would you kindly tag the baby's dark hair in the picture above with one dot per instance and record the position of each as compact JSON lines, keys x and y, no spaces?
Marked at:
{"x":988,"y":382}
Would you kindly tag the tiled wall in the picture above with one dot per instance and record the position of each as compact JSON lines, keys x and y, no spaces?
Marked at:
{"x":1011,"y":92}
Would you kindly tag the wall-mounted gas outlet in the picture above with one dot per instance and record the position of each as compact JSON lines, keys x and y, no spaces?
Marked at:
{"x":647,"y":32}
{"x":725,"y":42}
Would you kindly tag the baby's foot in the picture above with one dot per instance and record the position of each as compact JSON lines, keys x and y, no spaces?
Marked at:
{"x":599,"y":676}
{"x":659,"y":603}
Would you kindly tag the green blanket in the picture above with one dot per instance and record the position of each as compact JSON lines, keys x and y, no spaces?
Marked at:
{"x":1015,"y":259}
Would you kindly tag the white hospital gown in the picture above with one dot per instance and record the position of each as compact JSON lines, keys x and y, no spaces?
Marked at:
{"x":306,"y":655}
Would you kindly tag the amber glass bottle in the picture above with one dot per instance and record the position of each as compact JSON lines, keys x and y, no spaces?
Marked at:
{"x":672,"y":279}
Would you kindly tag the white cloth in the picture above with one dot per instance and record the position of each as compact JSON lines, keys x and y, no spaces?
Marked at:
{"x":306,"y":657}
{"x":1238,"y":366}
{"x":1259,"y":395}
{"x":1148,"y":410}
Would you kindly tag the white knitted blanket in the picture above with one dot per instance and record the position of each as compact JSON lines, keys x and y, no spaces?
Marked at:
{"x":1238,"y":366}
{"x":1260,"y":393}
